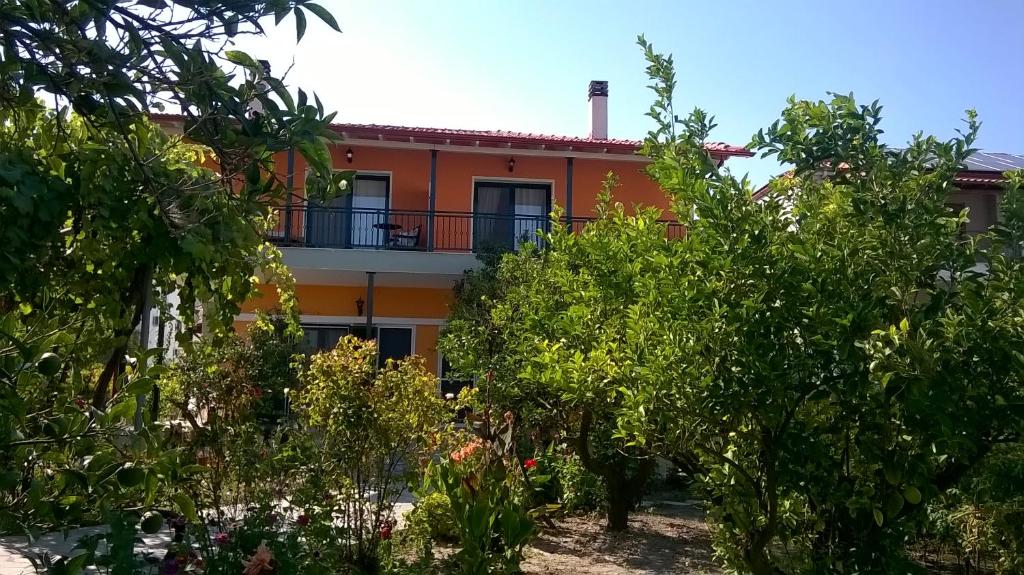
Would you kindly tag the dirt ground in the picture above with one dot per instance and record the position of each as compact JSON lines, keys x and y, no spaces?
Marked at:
{"x":665,"y":538}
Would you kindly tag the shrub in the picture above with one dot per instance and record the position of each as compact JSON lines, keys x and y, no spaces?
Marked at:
{"x":364,"y":431}
{"x":576,"y":488}
{"x":232,"y":394}
{"x":433,"y":516}
{"x":982,"y":522}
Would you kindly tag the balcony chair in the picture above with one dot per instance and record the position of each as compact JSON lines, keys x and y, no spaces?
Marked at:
{"x":405,"y":239}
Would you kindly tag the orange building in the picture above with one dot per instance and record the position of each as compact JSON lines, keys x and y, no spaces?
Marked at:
{"x":383,"y":260}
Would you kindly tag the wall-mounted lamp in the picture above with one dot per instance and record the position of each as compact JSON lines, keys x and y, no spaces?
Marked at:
{"x":348,"y":155}
{"x":359,"y":305}
{"x":511,"y":164}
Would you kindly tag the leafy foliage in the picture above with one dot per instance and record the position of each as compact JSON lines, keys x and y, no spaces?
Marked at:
{"x":827,"y":340}
{"x":227,"y":401}
{"x":366,"y":430}
{"x":488,"y":489}
{"x":984,"y":516}
{"x":564,"y":336}
{"x":93,"y":177}
{"x":99,"y":208}
{"x":828,"y":360}
{"x":64,"y":461}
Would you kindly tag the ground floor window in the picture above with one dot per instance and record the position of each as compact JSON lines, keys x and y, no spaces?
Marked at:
{"x":392,"y":342}
{"x":452,"y":383}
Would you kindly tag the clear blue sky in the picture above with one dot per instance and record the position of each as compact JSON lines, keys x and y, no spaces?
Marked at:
{"x":525,"y":65}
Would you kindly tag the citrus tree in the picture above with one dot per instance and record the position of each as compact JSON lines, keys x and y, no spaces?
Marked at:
{"x":562,"y":337}
{"x":839,"y":353}
{"x":99,"y":208}
{"x":97,"y":205}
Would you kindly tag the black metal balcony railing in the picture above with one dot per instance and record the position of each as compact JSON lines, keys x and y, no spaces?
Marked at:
{"x":412,"y":230}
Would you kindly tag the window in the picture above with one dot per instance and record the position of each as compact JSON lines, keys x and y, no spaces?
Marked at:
{"x":451,"y":382}
{"x":356,"y":220}
{"x":506,"y":214}
{"x":321,"y":338}
{"x":392,"y":342}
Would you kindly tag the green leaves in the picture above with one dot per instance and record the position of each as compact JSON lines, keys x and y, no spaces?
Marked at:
{"x":242,"y":59}
{"x":300,"y":23}
{"x":187,"y":507}
{"x":130,"y":475}
{"x":912,"y":495}
{"x":323,"y":14}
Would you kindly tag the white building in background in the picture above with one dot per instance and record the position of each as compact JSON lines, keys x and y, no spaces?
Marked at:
{"x":164,"y":327}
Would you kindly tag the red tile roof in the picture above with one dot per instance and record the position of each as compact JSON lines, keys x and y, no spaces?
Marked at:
{"x":496,"y":139}
{"x":980,"y":179}
{"x":504,"y":138}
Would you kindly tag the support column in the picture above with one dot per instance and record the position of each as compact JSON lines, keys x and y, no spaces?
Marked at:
{"x":369,"y":303}
{"x":431,"y":200}
{"x":288,"y":201}
{"x":568,"y":193}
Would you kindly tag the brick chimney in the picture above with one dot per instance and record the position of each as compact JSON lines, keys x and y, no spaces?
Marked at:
{"x":598,"y":96}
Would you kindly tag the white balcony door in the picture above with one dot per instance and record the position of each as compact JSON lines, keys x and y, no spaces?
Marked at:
{"x":369,"y":212}
{"x":531,"y":207}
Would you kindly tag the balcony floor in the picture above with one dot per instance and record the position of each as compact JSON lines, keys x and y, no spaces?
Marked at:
{"x":394,"y":268}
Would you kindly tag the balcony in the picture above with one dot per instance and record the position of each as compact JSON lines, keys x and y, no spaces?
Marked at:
{"x":411,"y":230}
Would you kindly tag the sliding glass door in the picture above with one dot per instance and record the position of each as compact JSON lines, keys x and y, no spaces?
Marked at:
{"x":369,"y":212}
{"x":357,"y":220}
{"x":506,"y":214}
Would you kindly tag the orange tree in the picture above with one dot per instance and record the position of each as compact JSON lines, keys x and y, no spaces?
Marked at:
{"x":836,"y":355}
{"x":561,"y":334}
{"x":98,"y":205}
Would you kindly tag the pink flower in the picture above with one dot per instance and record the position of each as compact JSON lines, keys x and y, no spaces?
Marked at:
{"x":260,"y":562}
{"x":459,"y":455}
{"x":530,"y":463}
{"x":222,"y":538}
{"x":302,"y":520}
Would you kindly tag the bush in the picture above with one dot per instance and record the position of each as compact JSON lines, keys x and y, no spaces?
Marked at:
{"x":982,"y":522}
{"x":575,"y":488}
{"x":432,"y":515}
{"x":231,"y":392}
{"x":360,"y":427}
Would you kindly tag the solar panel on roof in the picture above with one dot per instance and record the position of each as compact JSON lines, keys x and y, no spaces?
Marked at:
{"x":994,"y":162}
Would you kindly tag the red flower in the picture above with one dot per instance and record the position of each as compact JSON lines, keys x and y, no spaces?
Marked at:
{"x":302,"y":520}
{"x":256,"y":392}
{"x":530,"y":463}
{"x":80,"y":402}
{"x":221,"y":538}
{"x":385,"y":532}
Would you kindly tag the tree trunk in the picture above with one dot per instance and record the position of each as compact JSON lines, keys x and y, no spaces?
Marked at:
{"x":620,"y":503}
{"x":758,"y":563}
{"x":134,"y":300}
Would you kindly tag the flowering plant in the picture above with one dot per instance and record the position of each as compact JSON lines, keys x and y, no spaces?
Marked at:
{"x":488,"y":490}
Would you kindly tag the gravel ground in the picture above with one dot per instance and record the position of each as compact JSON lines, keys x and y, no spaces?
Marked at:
{"x":663,"y":538}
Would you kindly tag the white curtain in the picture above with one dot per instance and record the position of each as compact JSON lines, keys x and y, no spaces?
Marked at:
{"x":531,"y":206}
{"x":369,"y":200}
